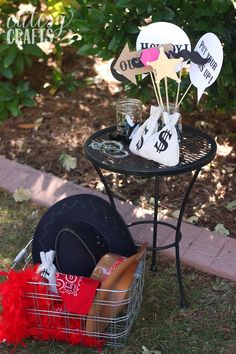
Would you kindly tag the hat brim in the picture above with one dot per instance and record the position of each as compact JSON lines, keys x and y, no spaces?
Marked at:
{"x":89,"y":209}
{"x":116,"y":290}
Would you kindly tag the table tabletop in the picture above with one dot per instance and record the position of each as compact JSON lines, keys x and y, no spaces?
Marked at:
{"x":197,"y":150}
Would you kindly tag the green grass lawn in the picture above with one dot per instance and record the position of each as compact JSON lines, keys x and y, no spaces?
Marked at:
{"x":207,"y":326}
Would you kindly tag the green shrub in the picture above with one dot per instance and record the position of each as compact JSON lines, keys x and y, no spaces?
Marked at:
{"x":106,"y":26}
{"x":16,"y":57}
{"x":13,"y":97}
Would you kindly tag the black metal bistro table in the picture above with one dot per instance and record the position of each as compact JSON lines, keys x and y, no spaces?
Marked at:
{"x":197,"y":150}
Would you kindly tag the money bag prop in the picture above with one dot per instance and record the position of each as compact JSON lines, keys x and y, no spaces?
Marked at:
{"x":147,"y":129}
{"x":160,"y":146}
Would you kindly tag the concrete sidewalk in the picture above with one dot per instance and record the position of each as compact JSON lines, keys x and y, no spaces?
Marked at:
{"x":200,"y":248}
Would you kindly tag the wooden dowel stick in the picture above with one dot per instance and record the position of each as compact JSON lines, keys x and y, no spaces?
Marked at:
{"x":178,"y":88}
{"x":167,"y":97}
{"x":159,"y":92}
{"x":155,"y":89}
{"x":184,"y":95}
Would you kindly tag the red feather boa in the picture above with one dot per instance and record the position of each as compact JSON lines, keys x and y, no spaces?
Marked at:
{"x":18,"y":323}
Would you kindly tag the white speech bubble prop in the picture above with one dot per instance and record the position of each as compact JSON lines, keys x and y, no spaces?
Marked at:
{"x":203,"y":76}
{"x":162,"y":33}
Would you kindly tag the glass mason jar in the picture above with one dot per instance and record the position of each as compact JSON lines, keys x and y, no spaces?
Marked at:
{"x":178,"y":125}
{"x":128,"y":114}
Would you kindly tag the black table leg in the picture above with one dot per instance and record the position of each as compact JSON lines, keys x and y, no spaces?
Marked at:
{"x":155,"y":217}
{"x":103,"y":179}
{"x":155,"y":222}
{"x":183,"y":302}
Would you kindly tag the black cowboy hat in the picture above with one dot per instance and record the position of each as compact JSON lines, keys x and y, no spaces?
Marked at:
{"x":81,"y":229}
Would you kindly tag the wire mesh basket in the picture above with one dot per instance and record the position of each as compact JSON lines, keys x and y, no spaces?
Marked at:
{"x":108,"y":323}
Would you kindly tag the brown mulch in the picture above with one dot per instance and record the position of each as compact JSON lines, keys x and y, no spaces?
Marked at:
{"x":68,"y":119}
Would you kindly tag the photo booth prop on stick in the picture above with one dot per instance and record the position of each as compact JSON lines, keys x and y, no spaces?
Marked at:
{"x":163,"y":50}
{"x":203,"y":76}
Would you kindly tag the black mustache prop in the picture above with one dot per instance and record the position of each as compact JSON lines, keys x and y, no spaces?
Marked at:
{"x":195,"y":57}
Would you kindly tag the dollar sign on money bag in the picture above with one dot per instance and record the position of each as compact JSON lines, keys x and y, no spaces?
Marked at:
{"x":162,"y":144}
{"x":140,"y":142}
